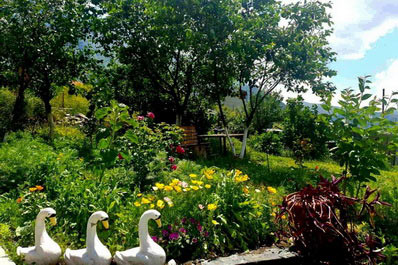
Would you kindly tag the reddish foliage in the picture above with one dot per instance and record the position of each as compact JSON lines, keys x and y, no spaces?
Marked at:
{"x":321,"y":224}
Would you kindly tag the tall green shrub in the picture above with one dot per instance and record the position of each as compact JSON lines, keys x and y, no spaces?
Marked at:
{"x":360,"y":131}
{"x":303,"y":133}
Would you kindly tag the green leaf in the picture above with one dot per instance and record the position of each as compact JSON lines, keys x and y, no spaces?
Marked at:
{"x":103,"y":143}
{"x":366,"y":96}
{"x":131,"y":136}
{"x":101,"y":113}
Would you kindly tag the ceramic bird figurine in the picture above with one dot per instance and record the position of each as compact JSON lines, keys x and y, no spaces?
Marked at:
{"x":46,"y":251}
{"x":95,"y":252}
{"x":148,"y":253}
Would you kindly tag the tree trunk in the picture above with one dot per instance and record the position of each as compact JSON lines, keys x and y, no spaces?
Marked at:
{"x":224,"y":122}
{"x":178,"y":119}
{"x":46,"y":97}
{"x":18,"y":113}
{"x":50,"y":118}
{"x":244,"y":142}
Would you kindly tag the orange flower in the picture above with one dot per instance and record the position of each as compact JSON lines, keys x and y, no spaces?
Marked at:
{"x":32,"y":189}
{"x":38,"y":187}
{"x":19,"y":200}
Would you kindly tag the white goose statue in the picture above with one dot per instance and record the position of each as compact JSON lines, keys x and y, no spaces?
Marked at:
{"x":46,"y":251}
{"x":148,"y":253}
{"x":95,"y":253}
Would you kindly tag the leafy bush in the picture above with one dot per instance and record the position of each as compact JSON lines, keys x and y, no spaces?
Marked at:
{"x":361,"y":131}
{"x":270,"y":111}
{"x":7,"y":99}
{"x":303,"y":133}
{"x":268,"y":142}
{"x":321,"y":224}
{"x":134,"y":141}
{"x":64,"y":103}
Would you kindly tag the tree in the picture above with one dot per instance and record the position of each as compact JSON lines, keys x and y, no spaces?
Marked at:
{"x":40,"y":44}
{"x":163,"y":41}
{"x":269,"y":54}
{"x":269,"y":112}
{"x":363,"y":134}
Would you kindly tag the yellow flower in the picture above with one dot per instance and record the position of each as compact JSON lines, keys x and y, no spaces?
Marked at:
{"x":152,"y":206}
{"x":209,"y":177}
{"x":137,"y":204}
{"x":193,"y":175}
{"x":273,"y":214}
{"x":160,"y":204}
{"x":187,"y":189}
{"x":151,"y":197}
{"x":200,"y":183}
{"x":139,"y":195}
{"x":19,"y":200}
{"x":194,"y":182}
{"x":209,"y":173}
{"x":240,"y":178}
{"x":177,"y":188}
{"x":283,"y":217}
{"x":238,"y":172}
{"x":207,"y":186}
{"x":259,"y":213}
{"x":245,"y":190}
{"x":32,"y":189}
{"x":271,"y":189}
{"x":175,"y":181}
{"x":160,"y":186}
{"x":145,"y":201}
{"x":211,"y":207}
{"x":194,"y":187}
{"x":168,"y":188}
{"x":215,"y":222}
{"x":38,"y":187}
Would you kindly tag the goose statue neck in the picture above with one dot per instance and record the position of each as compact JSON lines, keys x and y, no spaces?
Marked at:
{"x":92,"y":239}
{"x":40,"y":230}
{"x":145,"y":239}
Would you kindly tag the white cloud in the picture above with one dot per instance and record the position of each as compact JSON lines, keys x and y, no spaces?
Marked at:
{"x":359,"y":24}
{"x":387,"y":79}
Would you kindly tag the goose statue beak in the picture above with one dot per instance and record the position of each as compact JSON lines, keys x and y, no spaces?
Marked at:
{"x":159,"y":222}
{"x":105,"y":223}
{"x":53,"y":220}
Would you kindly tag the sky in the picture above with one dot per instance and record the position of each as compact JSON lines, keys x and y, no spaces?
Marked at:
{"x":365,"y":39}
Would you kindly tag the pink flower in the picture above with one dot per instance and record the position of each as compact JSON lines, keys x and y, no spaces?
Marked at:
{"x":120,"y":156}
{"x":173,"y":167}
{"x":165,"y":233}
{"x":184,"y":220}
{"x":180,"y":150}
{"x":182,"y":230}
{"x":174,"y":236}
{"x":155,"y":238}
{"x":194,"y":240}
{"x":206,"y":233}
{"x":140,"y":118}
{"x":199,"y":228}
{"x":184,"y":184}
{"x":151,"y":115}
{"x":172,"y":159}
{"x":201,"y":206}
{"x":167,"y":199}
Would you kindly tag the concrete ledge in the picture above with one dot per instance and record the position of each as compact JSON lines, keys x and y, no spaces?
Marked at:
{"x":267,"y":256}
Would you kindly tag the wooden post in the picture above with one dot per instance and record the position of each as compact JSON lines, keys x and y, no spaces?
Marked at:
{"x":382,"y":102}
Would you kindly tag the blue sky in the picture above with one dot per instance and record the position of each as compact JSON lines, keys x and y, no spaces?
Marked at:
{"x":366,"y":40}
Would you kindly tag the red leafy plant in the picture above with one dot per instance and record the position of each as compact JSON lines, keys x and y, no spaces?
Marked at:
{"x":321,"y":224}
